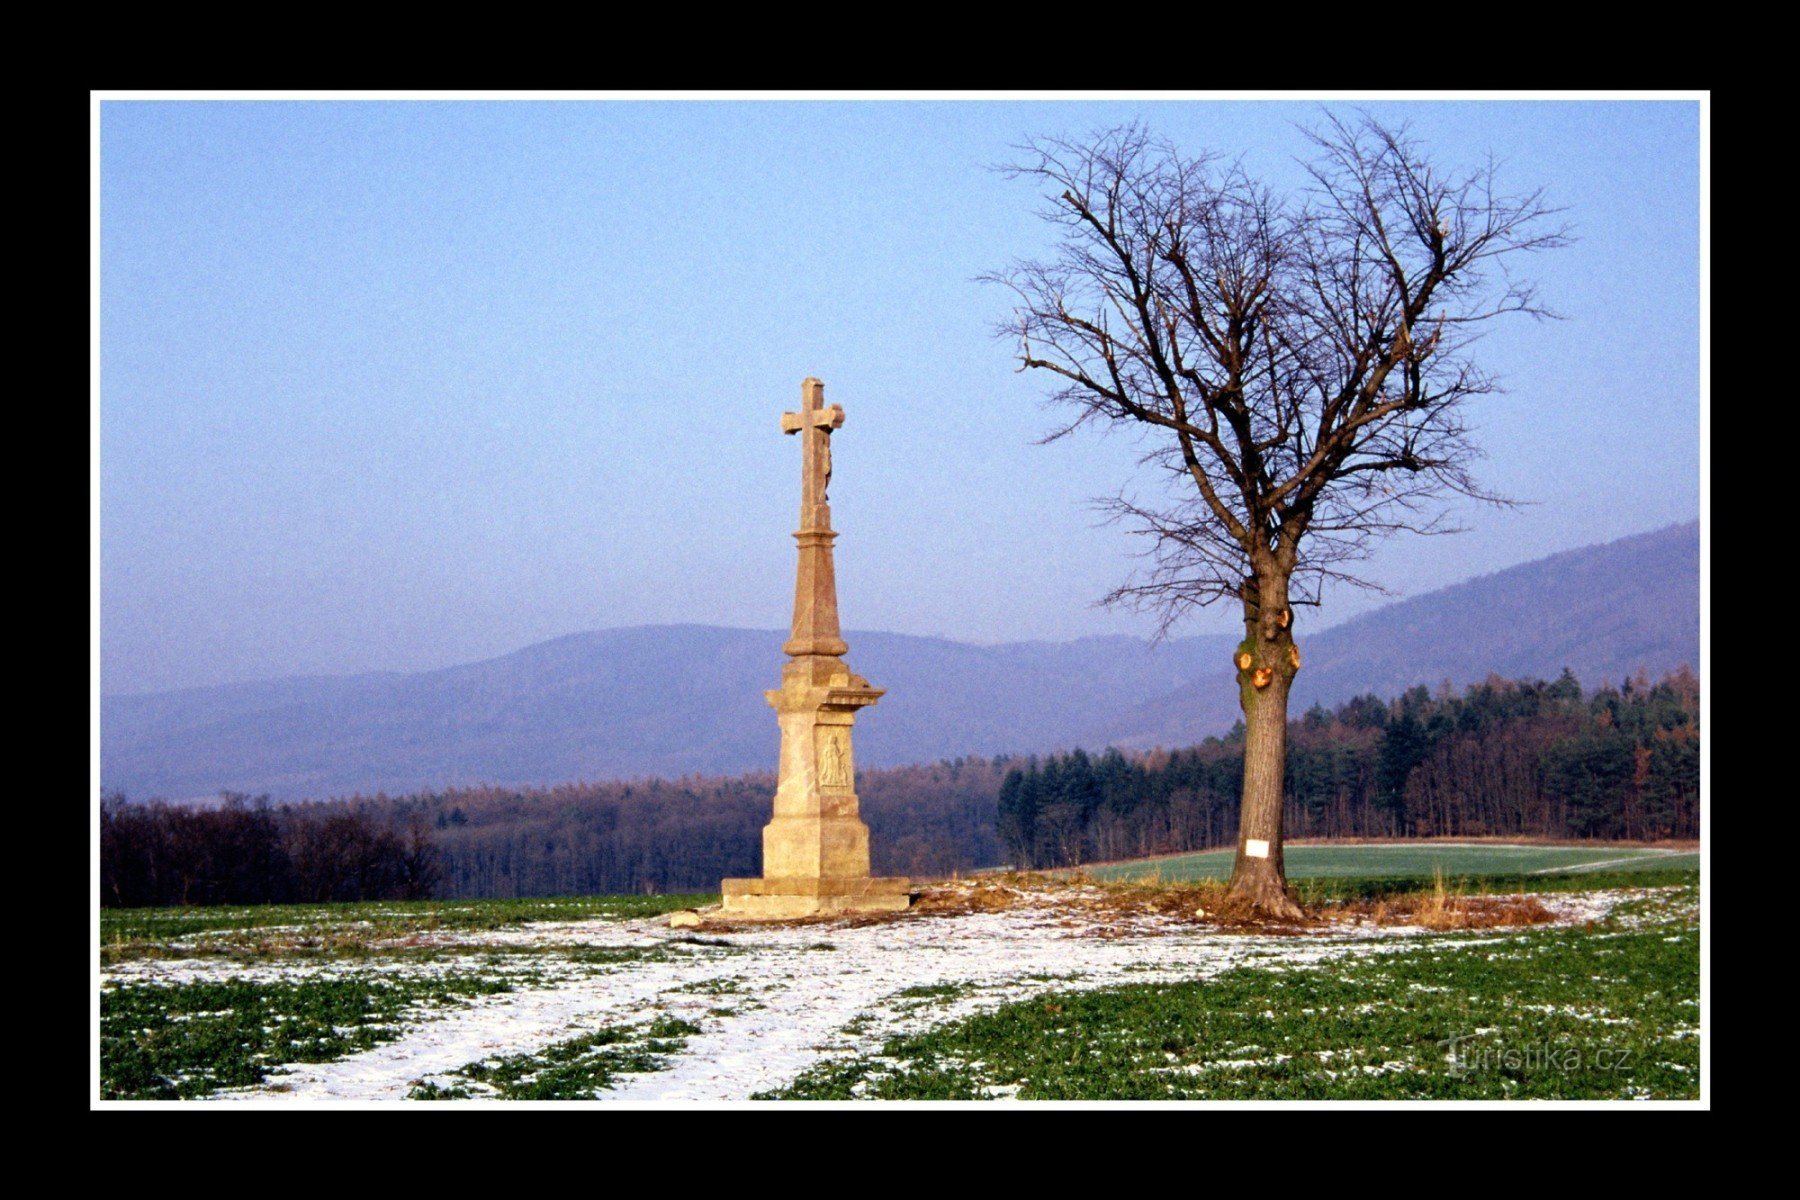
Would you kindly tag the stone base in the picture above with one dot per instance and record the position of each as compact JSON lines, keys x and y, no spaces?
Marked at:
{"x":780,"y":899}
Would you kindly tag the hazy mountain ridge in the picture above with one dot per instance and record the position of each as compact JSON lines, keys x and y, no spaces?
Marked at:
{"x":1602,"y":611}
{"x":681,"y":699}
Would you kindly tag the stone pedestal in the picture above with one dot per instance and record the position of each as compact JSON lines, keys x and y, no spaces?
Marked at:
{"x":785,"y":899}
{"x":816,"y":849}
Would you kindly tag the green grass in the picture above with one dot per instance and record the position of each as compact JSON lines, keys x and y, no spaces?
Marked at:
{"x":176,"y":1041}
{"x":931,"y":995}
{"x":576,"y":1069}
{"x":724,"y":986}
{"x":1416,"y":859}
{"x":1609,"y":1012}
{"x":282,"y":930}
{"x":1321,"y":890}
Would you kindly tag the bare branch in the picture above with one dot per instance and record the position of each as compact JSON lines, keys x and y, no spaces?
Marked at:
{"x":1306,"y":358}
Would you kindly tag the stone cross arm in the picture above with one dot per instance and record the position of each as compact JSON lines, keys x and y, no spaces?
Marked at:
{"x":815,"y":421}
{"x":811,"y":418}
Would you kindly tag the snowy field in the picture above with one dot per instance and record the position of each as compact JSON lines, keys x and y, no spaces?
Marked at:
{"x":751,"y":1008}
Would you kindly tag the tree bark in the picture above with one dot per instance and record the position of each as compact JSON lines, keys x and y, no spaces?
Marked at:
{"x":1267,"y":661}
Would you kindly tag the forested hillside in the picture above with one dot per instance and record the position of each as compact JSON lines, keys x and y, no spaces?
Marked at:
{"x":1528,"y":758}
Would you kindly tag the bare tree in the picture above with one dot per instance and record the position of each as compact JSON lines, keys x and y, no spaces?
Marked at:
{"x":1301,"y":363}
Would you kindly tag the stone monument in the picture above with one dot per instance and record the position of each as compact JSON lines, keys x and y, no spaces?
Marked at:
{"x":816,"y":849}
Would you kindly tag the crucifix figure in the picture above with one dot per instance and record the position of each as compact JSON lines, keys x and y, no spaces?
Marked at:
{"x":815,"y":422}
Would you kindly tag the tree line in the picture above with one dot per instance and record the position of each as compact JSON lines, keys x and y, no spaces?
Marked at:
{"x":1521,"y":757}
{"x":687,"y":834}
{"x":1503,"y":757}
{"x":247,"y":851}
{"x":574,"y":839}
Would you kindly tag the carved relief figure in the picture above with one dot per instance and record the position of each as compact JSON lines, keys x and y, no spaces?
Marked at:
{"x":834,"y":759}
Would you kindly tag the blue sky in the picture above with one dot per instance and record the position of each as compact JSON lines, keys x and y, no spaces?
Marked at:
{"x":394,"y":385}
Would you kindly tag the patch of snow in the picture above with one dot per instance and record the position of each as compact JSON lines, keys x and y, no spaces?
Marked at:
{"x":792,"y":1005}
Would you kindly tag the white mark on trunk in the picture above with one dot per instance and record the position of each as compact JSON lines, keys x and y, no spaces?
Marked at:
{"x":1256,"y":848}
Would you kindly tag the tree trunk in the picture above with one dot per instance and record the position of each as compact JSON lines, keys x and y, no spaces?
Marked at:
{"x":1267,"y":660}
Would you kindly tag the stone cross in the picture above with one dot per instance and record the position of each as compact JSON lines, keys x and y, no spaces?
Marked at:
{"x":815,"y":422}
{"x":816,"y":846}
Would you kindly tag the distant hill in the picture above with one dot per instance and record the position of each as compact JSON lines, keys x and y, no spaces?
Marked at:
{"x":1602,"y":611}
{"x":684,"y":699}
{"x":655,"y":700}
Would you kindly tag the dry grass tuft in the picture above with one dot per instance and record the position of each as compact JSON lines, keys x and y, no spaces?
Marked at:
{"x":1442,"y":908}
{"x":1105,"y":909}
{"x":994,"y":893}
{"x":1439,"y":909}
